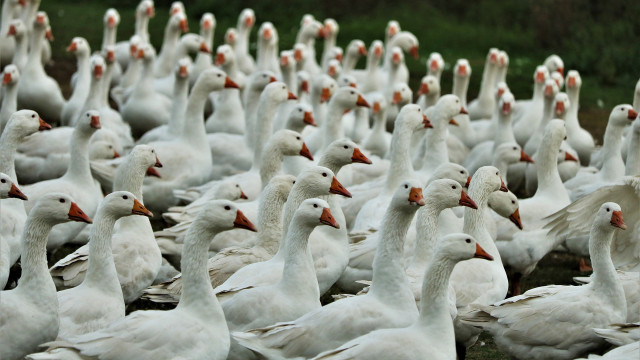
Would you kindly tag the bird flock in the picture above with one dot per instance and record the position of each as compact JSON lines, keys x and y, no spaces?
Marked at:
{"x":303,"y":207}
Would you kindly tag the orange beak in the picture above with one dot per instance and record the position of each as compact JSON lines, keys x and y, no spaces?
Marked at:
{"x":49,"y":35}
{"x":111,"y":21}
{"x":462,"y":70}
{"x":468,"y":182}
{"x":139,"y":209}
{"x":12,"y":30}
{"x":362,"y":102}
{"x":424,"y":89}
{"x":525,"y":157}
{"x":95,"y":122}
{"x":291,"y":96}
{"x":308,"y":118}
{"x":220,"y":59}
{"x":325,"y":95}
{"x":6,"y":78}
{"x":434,"y":65}
{"x":332,"y":71}
{"x":43,"y":125}
{"x":414,"y":52}
{"x":362,"y":50}
{"x":632,"y":114}
{"x":548,"y":90}
{"x":22,"y":2}
{"x":481,"y":253}
{"x":397,"y":97}
{"x":322,"y":33}
{"x":327,"y":219}
{"x":133,"y":49}
{"x":493,"y":58}
{"x":506,"y":108}
{"x":425,"y":121}
{"x":15,"y":193}
{"x":337,"y":188}
{"x":272,"y":79}
{"x":153,"y":172}
{"x":617,"y":221}
{"x":284,"y":61}
{"x":569,"y":157}
{"x":97,"y":72}
{"x":183,"y":71}
{"x":111,"y":57}
{"x":206,"y":24}
{"x":465,"y":200}
{"x":241,"y":222}
{"x":150,"y":11}
{"x":184,"y":27}
{"x":560,"y":108}
{"x":358,"y":157}
{"x":515,"y":218}
{"x":305,"y":152}
{"x":204,"y":48}
{"x":539,"y":77}
{"x":304,"y":86}
{"x":415,"y":196}
{"x":141,"y":54}
{"x":571,"y":82}
{"x":503,"y":187}
{"x":395,"y":58}
{"x":561,"y":71}
{"x":229,"y":84}
{"x":453,"y":122}
{"x":243,"y":195}
{"x":115,"y":154}
{"x":297,"y":55}
{"x":339,"y":57}
{"x":248,"y":21}
{"x":376,"y":107}
{"x":463,"y":110}
{"x":72,"y":47}
{"x":377,"y":51}
{"x":76,"y":214}
{"x":158,"y":164}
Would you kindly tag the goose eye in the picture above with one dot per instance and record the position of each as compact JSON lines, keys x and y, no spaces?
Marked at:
{"x":565,"y":138}
{"x":461,"y":172}
{"x":468,"y":241}
{"x":352,"y":93}
{"x":3,"y":181}
{"x":283,"y":88}
{"x":297,"y":137}
{"x":294,"y":182}
{"x":514,"y":148}
{"x":87,"y":114}
{"x":33,"y":115}
{"x":62,"y":201}
{"x":406,"y":186}
{"x":110,"y":146}
{"x":299,"y":110}
{"x":125,"y":197}
{"x":219,"y":75}
{"x":513,"y":202}
{"x":454,"y":187}
{"x":227,"y":207}
{"x":237,"y":185}
{"x":346,"y":147}
{"x":608,"y":210}
{"x":153,"y":151}
{"x":324,"y":174}
{"x":498,"y":174}
{"x":315,"y":205}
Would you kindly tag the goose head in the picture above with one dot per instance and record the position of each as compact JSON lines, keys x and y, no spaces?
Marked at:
{"x":462,"y":69}
{"x":89,"y":122}
{"x":267,"y":34}
{"x":492,"y":57}
{"x":555,"y":133}
{"x":344,"y":151}
{"x":207,"y":23}
{"x":178,"y":23}
{"x":452,"y":171}
{"x":214,"y":79}
{"x":401,"y":94}
{"x":145,"y":157}
{"x":506,"y":103}
{"x":429,"y":85}
{"x":511,"y":153}
{"x":540,"y":75}
{"x":225,"y":55}
{"x":449,"y":193}
{"x":25,"y":123}
{"x":302,"y":78}
{"x":17,"y":29}
{"x":376,"y":51}
{"x":145,"y":9}
{"x":347,"y":80}
{"x":412,"y":117}
{"x":123,"y":203}
{"x":446,"y":108}
{"x":229,"y":190}
{"x":334,"y":68}
{"x":336,"y":53}
{"x":246,"y":19}
{"x":503,"y":59}
{"x":550,"y":89}
{"x":501,"y":89}
{"x":111,"y":18}
{"x":566,"y":153}
{"x":277,"y":93}
{"x":41,"y":21}
{"x":79,"y":46}
{"x":183,"y":68}
{"x":134,"y":43}
{"x":487,"y":179}
{"x":194,"y":43}
{"x":318,"y":180}
{"x":554,"y":63}
{"x":331,"y":29}
{"x":97,"y":65}
{"x":57,"y":208}
{"x":323,"y":88}
{"x":230,"y":37}
{"x":557,"y":77}
{"x":622,"y":114}
{"x":8,"y":189}
{"x":176,"y":7}
{"x":610,"y":214}
{"x":287,"y":60}
{"x":146,"y":53}
{"x":378,"y":103}
{"x":10,"y":75}
{"x":459,"y":247}
{"x":290,"y":143}
{"x":313,"y":212}
{"x":408,"y":196}
{"x":435,"y":63}
{"x":356,"y":49}
{"x":102,"y":149}
{"x":506,"y":205}
{"x":347,"y":97}
{"x":260,"y":79}
{"x":393,"y":27}
{"x":561,"y":105}
{"x":407,"y":42}
{"x":300,"y":53}
{"x":300,"y":116}
{"x":397,"y":57}
{"x":109,"y":54}
{"x":574,"y":81}
{"x":222,"y":215}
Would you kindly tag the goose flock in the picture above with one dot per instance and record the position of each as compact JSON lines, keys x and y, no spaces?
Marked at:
{"x":388,"y":224}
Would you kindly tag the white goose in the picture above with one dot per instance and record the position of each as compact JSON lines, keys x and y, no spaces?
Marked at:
{"x":354,"y":51}
{"x":527,"y":115}
{"x":408,"y":43}
{"x":34,"y":302}
{"x":435,"y":65}
{"x":10,"y":9}
{"x":368,"y":79}
{"x":144,"y":12}
{"x":77,"y":310}
{"x":389,"y":304}
{"x":267,"y":53}
{"x":432,"y":333}
{"x":482,"y":107}
{"x":559,"y":108}
{"x":150,"y":334}
{"x":309,"y":31}
{"x":18,"y":30}
{"x":246,"y":20}
{"x":77,"y":181}
{"x":7,"y":190}
{"x":135,"y":252}
{"x":228,"y":116}
{"x":579,"y":138}
{"x":188,"y":44}
{"x":167,"y":57}
{"x":597,"y":304}
{"x":378,"y":140}
{"x":625,"y":336}
{"x":10,"y":77}
{"x":111,"y":21}
{"x":203,"y":60}
{"x":72,"y":108}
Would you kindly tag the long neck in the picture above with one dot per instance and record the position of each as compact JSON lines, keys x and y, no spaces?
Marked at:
{"x":106,"y":85}
{"x":605,"y":277}
{"x":142,"y":25}
{"x":434,"y":300}
{"x":251,"y":98}
{"x":180,"y":98}
{"x":474,"y":220}
{"x":349,"y":63}
{"x":21,"y":51}
{"x":504,"y":131}
{"x":299,"y":271}
{"x":574,"y":104}
{"x":437,"y":152}
{"x":379,"y":122}
{"x":502,"y":165}
{"x":633,"y":154}
{"x":35,"y":272}
{"x":270,"y":220}
{"x":79,"y":167}
{"x":298,"y":194}
{"x":9,"y":142}
{"x":264,"y":127}
{"x":145,"y":82}
{"x":196,"y":285}
{"x":612,"y":166}
{"x":37,"y":37}
{"x":549,"y":181}
{"x":101,"y":270}
{"x":426,"y":234}
{"x":109,"y":36}
{"x":332,"y":126}
{"x":460,"y":87}
{"x":271,"y":162}
{"x":132,"y":74}
{"x":400,"y":165}
{"x":546,"y":115}
{"x":242,"y":44}
{"x":388,"y":264}
{"x":93,"y":100}
{"x":488,"y":80}
{"x":230,"y":67}
{"x":193,"y":129}
{"x":372,"y":63}
{"x":129,"y":177}
{"x":9,"y":105}
{"x":84,"y":70}
{"x":289,"y":78}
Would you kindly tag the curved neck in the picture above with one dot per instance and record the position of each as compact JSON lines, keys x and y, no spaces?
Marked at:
{"x":289,"y":78}
{"x":242,"y":44}
{"x":474,"y":224}
{"x":251,"y":103}
{"x":270,"y":163}
{"x":129,"y":177}
{"x":9,"y":142}
{"x":434,"y":300}
{"x":389,"y":276}
{"x":426,"y":233}
{"x":20,"y":55}
{"x":299,"y":193}
{"x":180,"y":98}
{"x":549,"y":181}
{"x":230,"y":68}
{"x":400,"y":165}
{"x":546,"y":115}
{"x":605,"y":278}
{"x":84,"y":77}
{"x":270,"y":220}
{"x":332,"y":125}
{"x":264,"y":126}
{"x":349,"y":63}
{"x":101,"y":271}
{"x":132,"y":74}
{"x":460,"y":87}
{"x":436,"y":152}
{"x":502,"y":165}
{"x":9,"y":106}
{"x":35,"y":272}
{"x":106,"y":85}
{"x":79,"y":166}
{"x":298,"y":275}
{"x":612,"y":164}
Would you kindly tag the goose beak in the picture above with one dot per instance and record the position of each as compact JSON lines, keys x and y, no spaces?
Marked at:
{"x":243,"y":195}
{"x":297,"y":55}
{"x":415,"y":196}
{"x":204,"y":48}
{"x":506,"y":108}
{"x":150,"y":11}
{"x":284,"y":61}
{"x":525,"y":157}
{"x":6,"y":78}
{"x":229,"y":84}
{"x":462,"y":70}
{"x":414,"y":52}
{"x":325,"y":95}
{"x":95,"y":122}
{"x":362,"y":102}
{"x":305,"y":152}
{"x":503,"y":187}
{"x":327,"y":219}
{"x":425,"y":121}
{"x":139,"y":209}
{"x":481,"y":253}
{"x":12,"y":31}
{"x":184,"y":27}
{"x":376,"y":107}
{"x":515,"y":218}
{"x":220,"y":59}
{"x":358,"y":157}
{"x":76,"y":214}
{"x":424,"y":89}
{"x":291,"y":96}
{"x":561,"y":71}
{"x":571,"y":82}
{"x":14,"y":192}
{"x":397,"y":98}
{"x":49,"y":35}
{"x":434,"y":65}
{"x":183,"y":71}
{"x":337,"y":188}
{"x":465,"y":200}
{"x":308,"y":118}
{"x":141,"y":54}
{"x":560,"y":108}
{"x":539,"y":77}
{"x":72,"y":47}
{"x":158,"y":164}
{"x":151,"y":171}
{"x":569,"y":157}
{"x":241,"y":222}
{"x":362,"y":51}
{"x":322,"y":33}
{"x":463,"y":110}
{"x":115,"y":154}
{"x":617,"y":221}
{"x":43,"y":125}
{"x":304,"y":86}
{"x":453,"y":122}
{"x":632,"y":114}
{"x":97,"y":72}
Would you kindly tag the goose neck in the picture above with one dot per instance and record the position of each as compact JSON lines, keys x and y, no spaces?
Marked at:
{"x":474,"y":220}
{"x":9,"y":141}
{"x":502,"y":165}
{"x":298,"y":275}
{"x":9,"y":105}
{"x":504,"y":131}
{"x":460,"y":87}
{"x":488,"y":80}
{"x":270,"y":220}
{"x":372,"y":64}
{"x":574,"y":104}
{"x":546,"y":115}
{"x":605,"y":277}
{"x":79,"y":166}
{"x":264,"y":126}
{"x":400,"y":165}
{"x":20,"y":55}
{"x":330,"y":163}
{"x":436,"y":152}
{"x":299,"y":193}
{"x":193,"y":130}
{"x":101,"y":271}
{"x":289,"y":78}
{"x":271,"y":162}
{"x":106,"y":86}
{"x":108,"y":37}
{"x":426,"y":233}
{"x":349,"y":63}
{"x":180,"y":98}
{"x":35,"y":272}
{"x":549,"y":181}
{"x":379,"y":122}
{"x":243,"y":40}
{"x":35,"y":45}
{"x":142,"y":28}
{"x":130,"y":177}
{"x":612,"y":151}
{"x":251,"y":97}
{"x":434,"y":301}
